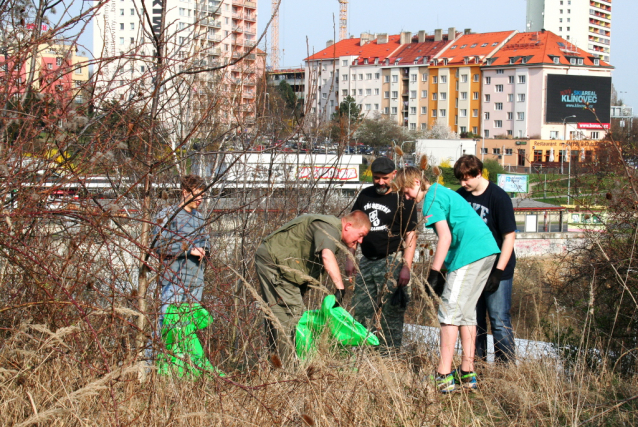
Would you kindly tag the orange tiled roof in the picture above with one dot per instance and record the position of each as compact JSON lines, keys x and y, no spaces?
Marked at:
{"x":416,"y":51}
{"x":473,"y":45}
{"x":353,"y":47}
{"x":540,"y":48}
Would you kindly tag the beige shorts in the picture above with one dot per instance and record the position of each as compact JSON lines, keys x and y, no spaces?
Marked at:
{"x":463,"y":287}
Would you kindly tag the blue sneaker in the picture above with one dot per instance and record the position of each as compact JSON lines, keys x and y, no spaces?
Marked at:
{"x":467,"y":381}
{"x":445,"y":383}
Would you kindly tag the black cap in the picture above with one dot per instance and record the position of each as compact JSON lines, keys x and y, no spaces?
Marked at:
{"x":382,"y":165}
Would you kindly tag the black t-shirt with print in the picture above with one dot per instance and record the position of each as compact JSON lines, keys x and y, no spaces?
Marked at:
{"x":389,"y":222}
{"x":494,"y":206}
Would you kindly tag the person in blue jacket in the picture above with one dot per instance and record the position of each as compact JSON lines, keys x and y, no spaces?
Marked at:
{"x":182,"y":245}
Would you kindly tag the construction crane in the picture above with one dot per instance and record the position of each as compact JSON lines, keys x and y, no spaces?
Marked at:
{"x":274,"y":35}
{"x":343,"y":19}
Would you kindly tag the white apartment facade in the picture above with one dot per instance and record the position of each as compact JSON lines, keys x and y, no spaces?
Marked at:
{"x":199,"y":34}
{"x":585,"y":23}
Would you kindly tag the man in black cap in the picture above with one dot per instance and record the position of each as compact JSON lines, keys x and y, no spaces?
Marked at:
{"x":388,"y":250}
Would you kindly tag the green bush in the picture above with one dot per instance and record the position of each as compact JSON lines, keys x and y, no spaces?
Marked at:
{"x":494,"y":168}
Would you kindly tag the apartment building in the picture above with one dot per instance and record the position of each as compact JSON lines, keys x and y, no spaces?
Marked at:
{"x":406,"y":77}
{"x":59,"y":72}
{"x":295,"y":77}
{"x":455,"y":80}
{"x":351,"y":67}
{"x":199,"y":34}
{"x":585,"y":23}
{"x":517,"y":96}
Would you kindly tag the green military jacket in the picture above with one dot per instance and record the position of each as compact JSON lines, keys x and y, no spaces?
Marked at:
{"x":292,"y":250}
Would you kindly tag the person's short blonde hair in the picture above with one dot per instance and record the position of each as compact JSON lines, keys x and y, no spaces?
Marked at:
{"x":406,"y":178}
{"x":358,"y":219}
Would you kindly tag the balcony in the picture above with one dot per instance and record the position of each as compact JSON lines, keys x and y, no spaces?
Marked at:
{"x":250,"y":17}
{"x":250,"y":4}
{"x":250,"y":43}
{"x":238,"y":29}
{"x":238,"y":15}
{"x":238,"y":2}
{"x":214,"y":37}
{"x":248,"y":95}
{"x":216,"y":51}
{"x":210,"y":22}
{"x":249,"y":31}
{"x":237,"y":54}
{"x":250,"y":57}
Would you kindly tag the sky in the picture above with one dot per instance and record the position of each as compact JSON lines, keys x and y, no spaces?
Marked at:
{"x":305,"y":26}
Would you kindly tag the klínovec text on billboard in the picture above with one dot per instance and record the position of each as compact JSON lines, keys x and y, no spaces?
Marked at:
{"x":568,"y":96}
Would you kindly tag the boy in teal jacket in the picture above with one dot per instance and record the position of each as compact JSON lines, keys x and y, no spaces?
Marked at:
{"x":467,"y":249}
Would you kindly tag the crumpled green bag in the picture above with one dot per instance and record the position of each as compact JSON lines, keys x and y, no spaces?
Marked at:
{"x":178,"y":333}
{"x":343,"y":328}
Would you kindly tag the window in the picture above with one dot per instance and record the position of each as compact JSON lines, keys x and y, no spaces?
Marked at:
{"x":435,"y":80}
{"x":442,"y":112}
{"x":487,"y":98}
{"x":354,"y":92}
{"x":498,"y":123}
{"x":424,"y":77}
{"x":368,"y":92}
{"x":132,"y":12}
{"x":443,"y":79}
{"x":434,"y":96}
{"x":484,"y":151}
{"x":386,"y":79}
{"x":394,"y":110}
{"x":434,"y":112}
{"x":344,"y":92}
{"x":345,"y":77}
{"x":122,"y":26}
{"x":122,"y":12}
{"x":376,"y":91}
{"x":413,"y":77}
{"x":395,"y":78}
{"x":520,"y":116}
{"x":594,"y":135}
{"x":376,"y":107}
{"x":463,"y":113}
{"x":386,"y":110}
{"x":488,"y":80}
{"x":424,"y":94}
{"x":132,"y":40}
{"x":520,"y":97}
{"x":354,"y":77}
{"x":368,"y":76}
{"x":510,"y":97}
{"x":487,"y":135}
{"x":498,"y":105}
{"x":395,"y":94}
{"x":510,"y":116}
{"x":360,"y":92}
{"x":324,"y":96}
{"x":412,"y":110}
{"x":368,"y":107}
{"x":500,"y":71}
{"x":377,"y":76}
{"x":511,"y":79}
{"x":344,"y":63}
{"x":424,"y":110}
{"x":132,"y":25}
{"x":463,"y":96}
{"x":360,"y":76}
{"x":560,"y":28}
{"x":463,"y":78}
{"x":496,"y":151}
{"x":499,"y":88}
{"x":412,"y":126}
{"x":476,"y":77}
{"x":58,"y":61}
{"x":486,"y":115}
{"x":386,"y":94}
{"x":424,"y":126}
{"x":121,"y":42}
{"x":521,"y":78}
{"x":475,"y":95}
{"x":475,"y":112}
{"x":142,"y":68}
{"x":556,"y":60}
{"x":443,"y":96}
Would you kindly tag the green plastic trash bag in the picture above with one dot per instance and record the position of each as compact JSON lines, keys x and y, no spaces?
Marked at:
{"x":182,"y":344}
{"x":343,"y":328}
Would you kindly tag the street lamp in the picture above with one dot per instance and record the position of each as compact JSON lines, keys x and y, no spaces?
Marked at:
{"x":564,"y":139}
{"x":569,"y":175}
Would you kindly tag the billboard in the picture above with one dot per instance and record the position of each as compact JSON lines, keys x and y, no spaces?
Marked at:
{"x":568,"y":96}
{"x":513,"y":183}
